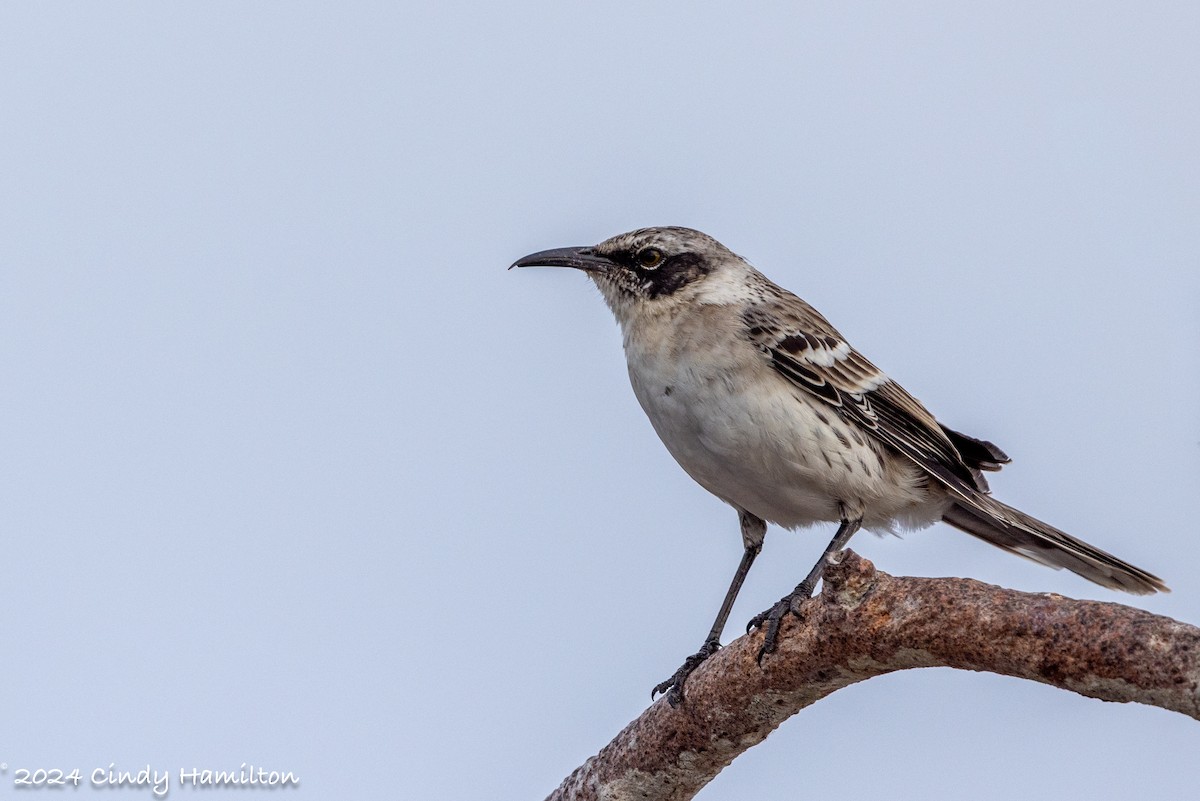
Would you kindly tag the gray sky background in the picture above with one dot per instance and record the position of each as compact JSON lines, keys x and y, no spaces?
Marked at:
{"x":296,"y":474}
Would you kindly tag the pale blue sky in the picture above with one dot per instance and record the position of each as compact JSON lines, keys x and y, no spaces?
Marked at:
{"x":295,"y":473}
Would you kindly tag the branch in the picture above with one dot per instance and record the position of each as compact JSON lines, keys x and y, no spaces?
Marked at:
{"x":866,"y":623}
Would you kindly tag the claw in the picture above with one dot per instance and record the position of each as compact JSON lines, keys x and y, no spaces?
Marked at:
{"x":673,"y":686}
{"x":773,"y":617}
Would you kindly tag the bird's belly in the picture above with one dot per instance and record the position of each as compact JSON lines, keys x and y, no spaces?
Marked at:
{"x":766,"y":448}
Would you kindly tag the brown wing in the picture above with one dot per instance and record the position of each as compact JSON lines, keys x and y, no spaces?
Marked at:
{"x":805,"y":349}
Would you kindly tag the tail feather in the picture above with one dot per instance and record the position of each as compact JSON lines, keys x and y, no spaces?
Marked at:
{"x":1017,"y":532}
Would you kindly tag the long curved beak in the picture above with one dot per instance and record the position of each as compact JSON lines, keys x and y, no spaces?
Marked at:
{"x":585,"y":259}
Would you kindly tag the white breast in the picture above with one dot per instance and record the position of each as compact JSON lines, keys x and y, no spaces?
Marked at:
{"x":754,"y":440}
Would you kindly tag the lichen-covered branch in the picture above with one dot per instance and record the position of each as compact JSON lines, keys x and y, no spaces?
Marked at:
{"x":866,"y":623}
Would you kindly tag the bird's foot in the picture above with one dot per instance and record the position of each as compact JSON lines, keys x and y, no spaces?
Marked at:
{"x":673,"y":686}
{"x":773,"y":617}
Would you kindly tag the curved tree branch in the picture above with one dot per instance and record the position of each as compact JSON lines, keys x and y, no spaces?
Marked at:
{"x":866,"y":623}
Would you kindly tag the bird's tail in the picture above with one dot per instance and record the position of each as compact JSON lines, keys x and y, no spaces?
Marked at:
{"x":1017,"y":532}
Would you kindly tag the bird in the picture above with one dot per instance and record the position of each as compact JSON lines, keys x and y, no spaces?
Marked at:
{"x":769,"y":408}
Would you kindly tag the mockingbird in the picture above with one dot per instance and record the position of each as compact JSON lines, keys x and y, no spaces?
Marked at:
{"x":768,"y":407}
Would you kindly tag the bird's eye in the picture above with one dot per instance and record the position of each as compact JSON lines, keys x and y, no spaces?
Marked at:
{"x":649,"y":257}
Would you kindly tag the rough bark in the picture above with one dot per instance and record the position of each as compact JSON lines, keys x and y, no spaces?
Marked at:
{"x":866,"y":623}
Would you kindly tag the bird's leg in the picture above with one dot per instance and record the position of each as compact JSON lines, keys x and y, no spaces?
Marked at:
{"x":804,"y":590}
{"x":753,"y":530}
{"x":673,"y":686}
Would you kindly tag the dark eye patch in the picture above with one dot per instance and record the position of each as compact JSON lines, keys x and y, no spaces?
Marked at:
{"x":673,"y":273}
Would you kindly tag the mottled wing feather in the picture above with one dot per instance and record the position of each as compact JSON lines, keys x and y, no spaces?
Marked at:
{"x":804,"y":348}
{"x":977,"y":453}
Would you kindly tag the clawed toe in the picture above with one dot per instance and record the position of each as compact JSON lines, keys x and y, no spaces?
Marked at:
{"x":757,"y":621}
{"x":773,"y":618}
{"x":673,"y":686}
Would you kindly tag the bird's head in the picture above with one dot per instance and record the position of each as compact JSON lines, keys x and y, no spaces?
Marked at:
{"x":650,"y":269}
